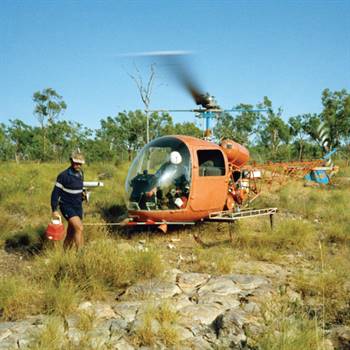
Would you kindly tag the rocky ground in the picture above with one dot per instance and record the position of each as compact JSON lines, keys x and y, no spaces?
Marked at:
{"x":213,"y":311}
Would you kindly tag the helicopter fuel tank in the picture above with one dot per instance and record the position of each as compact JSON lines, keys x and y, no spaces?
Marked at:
{"x":236,"y":154}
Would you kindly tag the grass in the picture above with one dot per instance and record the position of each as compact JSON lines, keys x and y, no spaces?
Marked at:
{"x":157,"y":324}
{"x":69,"y":277}
{"x":214,"y":260}
{"x":54,"y":282}
{"x":326,"y":288}
{"x":19,"y":297}
{"x":287,"y":327}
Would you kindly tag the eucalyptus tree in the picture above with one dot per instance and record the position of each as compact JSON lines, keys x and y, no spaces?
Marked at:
{"x":240,"y":127}
{"x":273,"y":132}
{"x":48,"y":106}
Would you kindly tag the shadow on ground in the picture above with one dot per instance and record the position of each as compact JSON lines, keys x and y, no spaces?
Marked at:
{"x":29,"y":240}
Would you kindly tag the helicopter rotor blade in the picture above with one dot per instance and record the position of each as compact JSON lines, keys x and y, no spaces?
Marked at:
{"x":175,"y":63}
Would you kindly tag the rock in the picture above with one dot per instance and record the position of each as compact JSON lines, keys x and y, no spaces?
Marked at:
{"x":203,"y":313}
{"x":183,"y":332}
{"x":179,"y":301}
{"x":248,"y":282}
{"x":197,"y":343}
{"x":99,"y":310}
{"x":228,"y":328}
{"x":154,"y":288}
{"x":171,"y":275}
{"x":227,"y":301}
{"x":219,"y":285}
{"x":85,"y":306}
{"x":341,"y":337}
{"x":127,"y":310}
{"x":99,"y":336}
{"x":118,"y":327}
{"x":188,"y":282}
{"x":121,"y":344}
{"x":4,"y":334}
{"x":8,"y":344}
{"x":251,"y":308}
{"x":74,"y":335}
{"x":103,"y":311}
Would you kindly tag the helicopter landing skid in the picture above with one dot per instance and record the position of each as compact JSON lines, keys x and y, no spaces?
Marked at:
{"x":229,"y":216}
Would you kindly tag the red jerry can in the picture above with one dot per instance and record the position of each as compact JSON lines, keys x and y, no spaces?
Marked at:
{"x":55,"y":230}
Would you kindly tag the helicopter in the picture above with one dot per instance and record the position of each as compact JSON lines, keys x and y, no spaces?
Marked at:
{"x":181,"y":180}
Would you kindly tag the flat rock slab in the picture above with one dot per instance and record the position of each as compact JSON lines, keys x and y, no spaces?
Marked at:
{"x":190,"y":281}
{"x":127,"y":310}
{"x":203,"y":313}
{"x":226,"y":301}
{"x":99,"y":310}
{"x":152,"y":289}
{"x":248,"y":282}
{"x":219,"y":285}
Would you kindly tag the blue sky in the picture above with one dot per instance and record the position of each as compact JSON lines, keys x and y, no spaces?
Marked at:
{"x":244,"y":50}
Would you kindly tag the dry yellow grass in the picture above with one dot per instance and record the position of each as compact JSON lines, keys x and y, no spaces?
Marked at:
{"x":309,"y":217}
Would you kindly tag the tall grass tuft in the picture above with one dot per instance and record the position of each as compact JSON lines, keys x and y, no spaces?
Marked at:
{"x":214,"y":260}
{"x":50,"y":337}
{"x":19,"y":297}
{"x":326,"y":288}
{"x":286,"y":326}
{"x":157,"y":324}
{"x":145,"y":264}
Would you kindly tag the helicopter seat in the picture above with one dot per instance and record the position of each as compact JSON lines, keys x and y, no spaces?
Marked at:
{"x":208,"y":169}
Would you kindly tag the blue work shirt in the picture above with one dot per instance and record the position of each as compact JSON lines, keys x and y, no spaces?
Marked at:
{"x":68,"y":190}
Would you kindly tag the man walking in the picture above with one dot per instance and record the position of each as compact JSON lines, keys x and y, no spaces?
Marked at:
{"x":67,"y":194}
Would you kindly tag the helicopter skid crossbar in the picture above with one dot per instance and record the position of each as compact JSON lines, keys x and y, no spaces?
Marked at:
{"x":151,"y":222}
{"x":228,"y":215}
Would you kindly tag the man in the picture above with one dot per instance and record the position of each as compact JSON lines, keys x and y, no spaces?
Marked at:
{"x":68,"y":196}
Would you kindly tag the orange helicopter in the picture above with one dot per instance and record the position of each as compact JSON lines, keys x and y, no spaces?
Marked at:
{"x":179,"y":180}
{"x":182,"y":179}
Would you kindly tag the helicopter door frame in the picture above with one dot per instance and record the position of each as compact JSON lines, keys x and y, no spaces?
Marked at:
{"x":209,"y":189}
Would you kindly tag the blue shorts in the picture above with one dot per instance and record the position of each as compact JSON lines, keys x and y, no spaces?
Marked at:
{"x":68,"y":212}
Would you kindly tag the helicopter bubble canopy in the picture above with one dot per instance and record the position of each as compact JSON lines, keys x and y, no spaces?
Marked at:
{"x":160,"y":176}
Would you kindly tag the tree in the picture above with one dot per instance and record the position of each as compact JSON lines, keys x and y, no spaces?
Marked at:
{"x":145,"y":91}
{"x":49,"y":105}
{"x":273,"y":131}
{"x":297,"y":130}
{"x":66,"y":136}
{"x":160,"y":124}
{"x":187,"y":128}
{"x":21,"y":135}
{"x":5,"y":145}
{"x":240,"y":127}
{"x":336,"y":115}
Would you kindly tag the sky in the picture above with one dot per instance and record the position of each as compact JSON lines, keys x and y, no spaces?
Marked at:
{"x":242,"y":51}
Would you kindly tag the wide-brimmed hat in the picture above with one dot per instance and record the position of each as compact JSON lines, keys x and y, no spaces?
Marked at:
{"x":77,"y":157}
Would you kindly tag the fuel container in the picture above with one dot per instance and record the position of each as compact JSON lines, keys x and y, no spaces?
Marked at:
{"x":55,"y":230}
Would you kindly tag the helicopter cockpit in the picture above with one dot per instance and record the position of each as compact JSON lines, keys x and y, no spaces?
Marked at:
{"x":160,"y":176}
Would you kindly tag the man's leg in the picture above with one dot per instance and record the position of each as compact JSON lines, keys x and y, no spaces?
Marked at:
{"x":68,"y":241}
{"x":74,"y":233}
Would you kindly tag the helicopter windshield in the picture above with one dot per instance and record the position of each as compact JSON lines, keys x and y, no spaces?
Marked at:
{"x":159,"y":177}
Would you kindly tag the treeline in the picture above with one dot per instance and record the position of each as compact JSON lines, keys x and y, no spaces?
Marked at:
{"x":265,"y":132}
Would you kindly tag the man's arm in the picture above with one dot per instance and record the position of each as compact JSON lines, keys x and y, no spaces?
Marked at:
{"x":55,"y":195}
